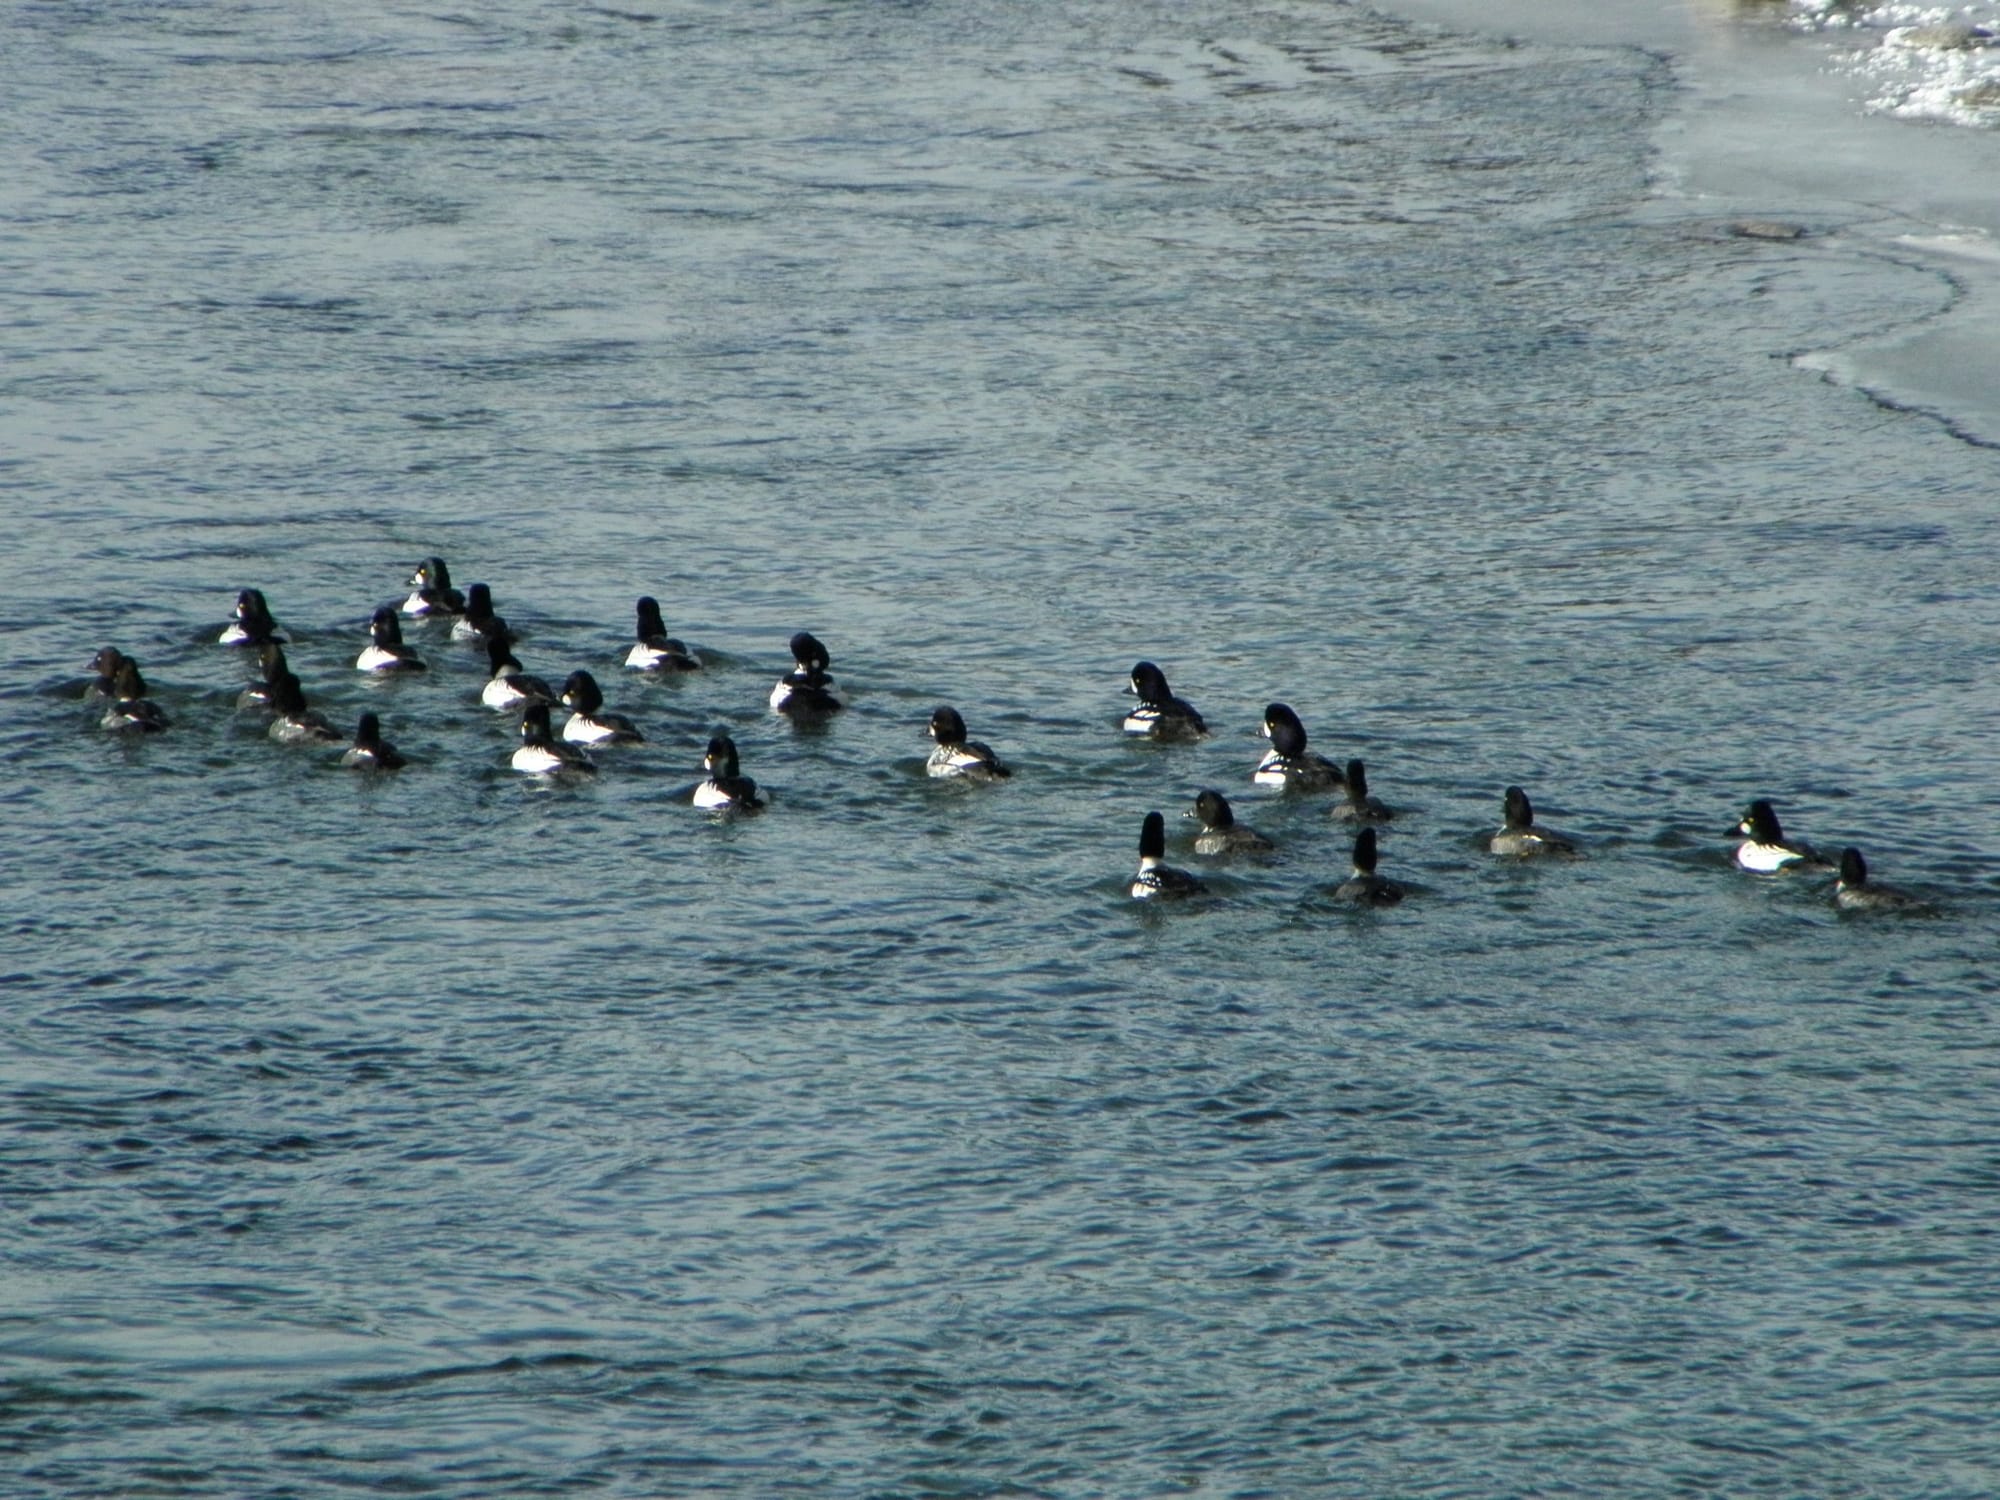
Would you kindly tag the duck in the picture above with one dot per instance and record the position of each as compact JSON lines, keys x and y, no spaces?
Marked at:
{"x":295,"y":722}
{"x":431,"y":592}
{"x":251,"y":624}
{"x":385,"y":651}
{"x":1364,"y":887}
{"x":509,"y":687}
{"x":479,"y":622}
{"x":955,"y":755}
{"x":130,"y":710}
{"x":726,"y":789}
{"x":807,"y":691}
{"x":1160,"y":715}
{"x":541,"y":754}
{"x":1357,"y":806}
{"x":370,"y":752}
{"x":272,"y":664}
{"x":104,"y":665}
{"x":1158,"y":880}
{"x":1220,"y":832}
{"x":1766,"y":850}
{"x":586,"y":725}
{"x":654,"y":650}
{"x":1520,"y":836}
{"x":1288,"y":763}
{"x":1854,"y":891}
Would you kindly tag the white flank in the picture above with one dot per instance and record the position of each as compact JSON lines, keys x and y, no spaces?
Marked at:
{"x":1765,"y":859}
{"x":538,"y":760}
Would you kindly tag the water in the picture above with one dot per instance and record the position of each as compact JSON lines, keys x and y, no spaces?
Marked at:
{"x":454,"y":1135}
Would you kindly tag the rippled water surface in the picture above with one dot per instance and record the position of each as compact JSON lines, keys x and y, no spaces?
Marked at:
{"x":449,"y":1134}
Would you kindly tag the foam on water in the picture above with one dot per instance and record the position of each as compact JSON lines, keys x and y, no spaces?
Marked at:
{"x":1868,"y":125}
{"x":1918,"y":62}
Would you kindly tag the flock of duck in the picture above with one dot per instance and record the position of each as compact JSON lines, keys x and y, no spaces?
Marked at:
{"x":808,"y":692}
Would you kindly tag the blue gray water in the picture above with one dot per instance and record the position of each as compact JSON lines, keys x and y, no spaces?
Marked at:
{"x":451,"y":1135}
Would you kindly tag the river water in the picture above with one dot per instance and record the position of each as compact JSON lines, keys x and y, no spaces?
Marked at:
{"x":450,"y":1134}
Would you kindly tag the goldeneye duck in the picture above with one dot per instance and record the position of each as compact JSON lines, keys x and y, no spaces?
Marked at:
{"x":1520,"y":836}
{"x":431,"y":592}
{"x":541,"y":753}
{"x":1364,"y":886}
{"x":271,"y":662}
{"x":1157,"y":879}
{"x":104,"y":684}
{"x":509,"y":687}
{"x":1766,"y":849}
{"x":1220,"y":832}
{"x":252,"y":624}
{"x":585,"y":725}
{"x":385,"y":651}
{"x":1160,"y":715}
{"x":955,"y":755}
{"x":808,"y":690}
{"x":1288,"y":763}
{"x":726,"y":786}
{"x":1358,"y":806}
{"x":370,"y":752}
{"x":130,"y":708}
{"x":479,"y":623}
{"x":1854,"y":891}
{"x":654,"y":650}
{"x":297,"y":724}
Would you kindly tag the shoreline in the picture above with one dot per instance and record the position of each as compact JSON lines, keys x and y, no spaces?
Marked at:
{"x":1771,"y":126}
